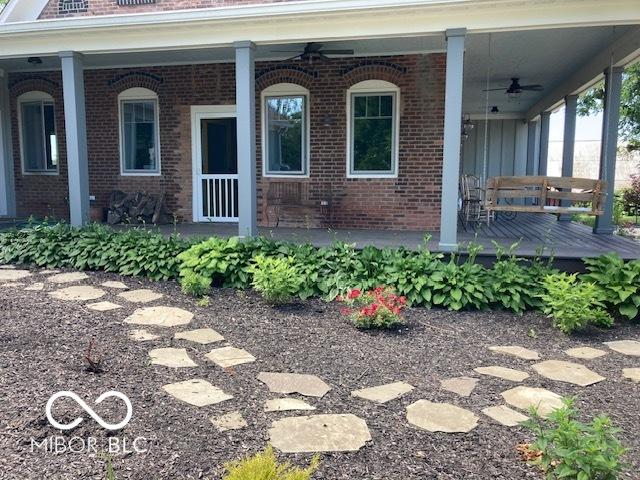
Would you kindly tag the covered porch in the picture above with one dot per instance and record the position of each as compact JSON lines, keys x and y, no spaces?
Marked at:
{"x":434,"y":63}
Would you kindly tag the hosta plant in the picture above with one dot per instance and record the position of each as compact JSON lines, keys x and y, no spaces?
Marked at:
{"x":377,"y":308}
{"x":276,"y":278}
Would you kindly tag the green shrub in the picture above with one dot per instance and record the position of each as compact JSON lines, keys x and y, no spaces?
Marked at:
{"x":264,"y":466}
{"x":516,"y":284}
{"x":567,"y":449}
{"x":277,"y":279}
{"x":618,"y":281}
{"x":572,"y":304}
{"x":195,"y":284}
{"x":133,"y":252}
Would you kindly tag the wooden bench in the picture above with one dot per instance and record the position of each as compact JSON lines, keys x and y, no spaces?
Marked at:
{"x":547,"y":195}
{"x":281,"y":194}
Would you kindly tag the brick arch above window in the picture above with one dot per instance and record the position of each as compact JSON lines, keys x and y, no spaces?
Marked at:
{"x":373,"y":70}
{"x":34,"y":84}
{"x":147,"y":80}
{"x":285,"y":74}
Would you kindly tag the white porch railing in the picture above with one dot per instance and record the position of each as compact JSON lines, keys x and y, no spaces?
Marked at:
{"x":220,"y":197}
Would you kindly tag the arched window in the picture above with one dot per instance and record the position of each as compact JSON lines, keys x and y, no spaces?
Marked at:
{"x":38,"y":141}
{"x":373,"y":122}
{"x":285,"y":131}
{"x":139,"y":132}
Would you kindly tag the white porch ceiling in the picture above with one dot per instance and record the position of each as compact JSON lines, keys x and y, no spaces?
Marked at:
{"x":546,"y":57}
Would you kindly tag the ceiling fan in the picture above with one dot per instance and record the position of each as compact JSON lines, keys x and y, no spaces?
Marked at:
{"x":314,"y":51}
{"x":515,"y":88}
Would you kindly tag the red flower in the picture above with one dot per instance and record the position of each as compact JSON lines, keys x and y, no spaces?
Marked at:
{"x":355,"y":293}
{"x":345,"y":311}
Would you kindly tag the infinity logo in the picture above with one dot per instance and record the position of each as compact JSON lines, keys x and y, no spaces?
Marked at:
{"x":89,"y":410}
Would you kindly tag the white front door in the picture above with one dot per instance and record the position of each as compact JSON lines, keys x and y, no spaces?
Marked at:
{"x":215,"y":163}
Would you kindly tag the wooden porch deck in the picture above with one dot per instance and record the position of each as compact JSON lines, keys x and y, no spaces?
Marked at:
{"x":563,"y":240}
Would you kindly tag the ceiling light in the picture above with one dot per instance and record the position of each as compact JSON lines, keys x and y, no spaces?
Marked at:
{"x":34,"y":60}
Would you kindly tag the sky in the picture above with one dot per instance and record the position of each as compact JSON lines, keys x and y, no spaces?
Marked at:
{"x":587,"y":128}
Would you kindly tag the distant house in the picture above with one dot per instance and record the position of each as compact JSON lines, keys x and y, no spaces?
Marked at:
{"x":368,"y":108}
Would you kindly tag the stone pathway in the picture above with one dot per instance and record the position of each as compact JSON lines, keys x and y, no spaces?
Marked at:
{"x":286,"y":383}
{"x":334,"y":432}
{"x":319,"y":433}
{"x":441,"y":417}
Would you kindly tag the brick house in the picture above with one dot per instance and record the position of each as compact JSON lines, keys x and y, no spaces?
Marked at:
{"x":347,"y":113}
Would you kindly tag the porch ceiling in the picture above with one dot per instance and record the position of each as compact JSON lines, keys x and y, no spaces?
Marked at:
{"x":547,"y":57}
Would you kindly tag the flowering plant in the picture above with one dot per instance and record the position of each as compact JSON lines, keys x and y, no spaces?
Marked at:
{"x":377,"y":308}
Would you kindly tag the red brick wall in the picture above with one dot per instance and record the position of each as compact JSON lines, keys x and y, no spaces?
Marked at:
{"x":411,"y":201}
{"x":111,"y":7}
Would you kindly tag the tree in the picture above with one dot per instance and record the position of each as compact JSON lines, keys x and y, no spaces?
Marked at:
{"x":629,"y":128}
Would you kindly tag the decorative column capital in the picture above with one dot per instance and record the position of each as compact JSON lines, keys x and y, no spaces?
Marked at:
{"x":244,"y":44}
{"x":455,"y":32}
{"x":70,"y":54}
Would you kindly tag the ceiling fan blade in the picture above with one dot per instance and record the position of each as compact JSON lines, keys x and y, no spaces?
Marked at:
{"x":294,"y":58}
{"x":534,"y":88}
{"x":313,"y":47}
{"x":285,"y":51}
{"x":338,"y":52}
{"x":494,"y":89}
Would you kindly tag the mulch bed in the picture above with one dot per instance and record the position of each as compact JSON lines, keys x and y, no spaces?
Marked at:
{"x":42,"y":344}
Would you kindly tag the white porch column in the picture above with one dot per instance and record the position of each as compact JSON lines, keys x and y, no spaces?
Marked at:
{"x":568,"y":143}
{"x":609,"y":145}
{"x":532,"y":133}
{"x":545,"y":118}
{"x":246,"y":135}
{"x":7,"y":185}
{"x":76,"y":135}
{"x":452,"y":134}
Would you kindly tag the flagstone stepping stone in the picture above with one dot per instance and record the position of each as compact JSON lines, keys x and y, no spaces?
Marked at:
{"x":526,"y":397}
{"x":67,"y":277}
{"x":11,"y":275}
{"x":626,"y":347}
{"x":202,"y":336}
{"x":48,"y":272}
{"x":585,"y":353}
{"x":319,"y":433}
{"x":160,"y":316}
{"x":229,"y":356}
{"x":36,"y":286}
{"x":463,"y":386}
{"x":140,"y":296}
{"x":569,"y":372}
{"x":114,"y":284}
{"x":197,"y":392}
{"x":383,"y":393}
{"x":7,"y":267}
{"x":79,"y":293}
{"x":505,"y":415}
{"x":171,"y":357}
{"x":441,"y":417}
{"x":103,"y":306}
{"x":229,"y":421}
{"x":142,"y":335}
{"x":285,"y":383}
{"x":516,"y":351}
{"x":286,"y":404}
{"x":631,"y":374}
{"x":502,"y":372}
{"x":13,"y":284}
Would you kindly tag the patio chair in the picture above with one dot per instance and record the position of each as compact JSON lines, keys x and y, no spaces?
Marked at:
{"x":472,"y":200}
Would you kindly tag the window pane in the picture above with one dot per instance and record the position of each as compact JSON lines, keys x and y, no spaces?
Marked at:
{"x":386,"y":105}
{"x":33,"y":146}
{"x":373,"y":106}
{"x":50,"y":136}
{"x":285,"y":134}
{"x":372,"y":145}
{"x":360,"y":107}
{"x":139,"y":131}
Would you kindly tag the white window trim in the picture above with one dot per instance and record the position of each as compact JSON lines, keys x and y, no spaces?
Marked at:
{"x":283,"y":90}
{"x":35,"y":96}
{"x":133,"y":95}
{"x":379,"y":87}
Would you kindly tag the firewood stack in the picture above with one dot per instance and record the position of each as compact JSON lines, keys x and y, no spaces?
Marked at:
{"x":139,"y":207}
